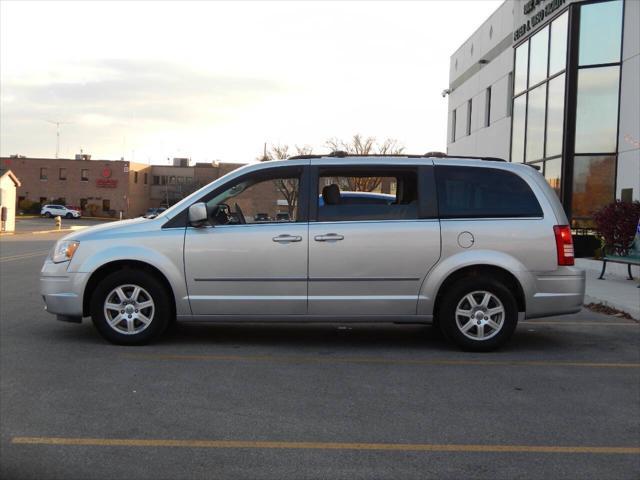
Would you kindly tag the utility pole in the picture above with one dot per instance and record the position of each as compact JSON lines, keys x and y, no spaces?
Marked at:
{"x":57,"y":124}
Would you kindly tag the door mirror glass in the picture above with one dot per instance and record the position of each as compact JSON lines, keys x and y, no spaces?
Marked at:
{"x":198,"y":214}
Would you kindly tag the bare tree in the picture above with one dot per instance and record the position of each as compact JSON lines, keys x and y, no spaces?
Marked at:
{"x":359,"y":145}
{"x":288,"y":187}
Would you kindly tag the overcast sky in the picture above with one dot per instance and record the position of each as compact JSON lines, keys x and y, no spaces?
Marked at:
{"x":215,"y":80}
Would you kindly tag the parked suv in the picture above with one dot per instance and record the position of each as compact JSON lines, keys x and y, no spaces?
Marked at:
{"x":469,"y":244}
{"x":59,"y":210}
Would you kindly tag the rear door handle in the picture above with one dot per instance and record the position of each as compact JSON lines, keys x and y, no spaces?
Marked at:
{"x":328,"y":237}
{"x":287,"y":238}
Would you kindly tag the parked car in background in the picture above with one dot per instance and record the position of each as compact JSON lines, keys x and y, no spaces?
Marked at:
{"x":153,"y":212}
{"x":53,"y":210}
{"x":471,"y":245}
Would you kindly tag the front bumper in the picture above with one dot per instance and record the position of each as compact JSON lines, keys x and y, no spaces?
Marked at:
{"x":557,"y":294}
{"x":62,"y":291}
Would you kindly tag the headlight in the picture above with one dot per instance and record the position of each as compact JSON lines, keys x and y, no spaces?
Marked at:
{"x":64,"y":250}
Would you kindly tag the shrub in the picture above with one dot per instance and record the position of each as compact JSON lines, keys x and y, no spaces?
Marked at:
{"x":617,"y":223}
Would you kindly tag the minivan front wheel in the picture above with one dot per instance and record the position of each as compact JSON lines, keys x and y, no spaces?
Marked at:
{"x":130,"y":307}
{"x":478,"y":314}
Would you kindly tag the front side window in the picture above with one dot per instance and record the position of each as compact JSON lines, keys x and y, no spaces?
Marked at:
{"x":474,"y":192}
{"x":366,"y":194}
{"x":258,"y":198}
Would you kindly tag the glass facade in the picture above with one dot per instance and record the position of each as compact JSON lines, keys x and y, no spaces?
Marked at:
{"x":566,"y":103}
{"x":538,"y":106}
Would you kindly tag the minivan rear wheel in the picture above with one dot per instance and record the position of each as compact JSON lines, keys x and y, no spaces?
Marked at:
{"x":478,"y":314}
{"x":130,"y":307}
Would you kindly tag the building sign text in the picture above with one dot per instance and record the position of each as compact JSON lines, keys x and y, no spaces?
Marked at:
{"x":537,"y":15}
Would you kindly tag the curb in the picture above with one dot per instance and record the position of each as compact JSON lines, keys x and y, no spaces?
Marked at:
{"x":589,"y":299}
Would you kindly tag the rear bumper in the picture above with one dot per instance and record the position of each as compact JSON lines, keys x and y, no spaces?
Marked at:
{"x":62,"y":291}
{"x":557,"y":294}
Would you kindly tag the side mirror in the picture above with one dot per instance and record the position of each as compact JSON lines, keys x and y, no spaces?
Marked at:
{"x":198,"y":214}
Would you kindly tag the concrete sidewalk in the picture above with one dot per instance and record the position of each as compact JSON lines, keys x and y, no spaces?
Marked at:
{"x":615,"y":290}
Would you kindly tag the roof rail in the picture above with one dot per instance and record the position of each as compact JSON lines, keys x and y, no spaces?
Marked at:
{"x":342,"y":154}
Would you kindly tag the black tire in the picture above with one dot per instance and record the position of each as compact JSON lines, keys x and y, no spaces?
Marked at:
{"x":157,"y":293}
{"x":495,"y":337}
{"x":47,"y":214}
{"x":68,"y":215}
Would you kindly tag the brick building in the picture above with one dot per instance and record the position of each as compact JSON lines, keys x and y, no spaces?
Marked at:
{"x":108,"y":187}
{"x":97,"y":187}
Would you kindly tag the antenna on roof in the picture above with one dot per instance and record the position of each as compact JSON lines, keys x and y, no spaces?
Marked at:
{"x":57,"y":124}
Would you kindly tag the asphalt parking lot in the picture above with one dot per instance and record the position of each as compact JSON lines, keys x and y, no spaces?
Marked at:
{"x":310,"y":401}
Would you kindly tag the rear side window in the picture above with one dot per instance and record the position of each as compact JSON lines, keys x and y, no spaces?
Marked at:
{"x":468,"y":192}
{"x":355,"y":194}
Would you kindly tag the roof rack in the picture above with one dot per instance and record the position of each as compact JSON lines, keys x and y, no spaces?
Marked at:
{"x":342,"y":154}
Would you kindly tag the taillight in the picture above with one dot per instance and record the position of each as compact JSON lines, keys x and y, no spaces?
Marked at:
{"x":564,"y":244}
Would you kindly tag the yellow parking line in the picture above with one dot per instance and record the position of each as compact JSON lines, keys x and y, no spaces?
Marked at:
{"x":398,"y":447}
{"x":395,"y":361}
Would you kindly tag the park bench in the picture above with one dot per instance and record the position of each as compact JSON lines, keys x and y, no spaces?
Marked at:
{"x":629,"y":256}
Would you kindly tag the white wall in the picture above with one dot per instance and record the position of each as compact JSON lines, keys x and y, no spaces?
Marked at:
{"x":629,"y":139}
{"x":8,"y":199}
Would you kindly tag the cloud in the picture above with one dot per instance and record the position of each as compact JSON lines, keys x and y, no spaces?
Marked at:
{"x":126,"y":91}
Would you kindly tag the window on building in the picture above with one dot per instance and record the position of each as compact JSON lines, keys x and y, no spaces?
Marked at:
{"x":522,"y":66}
{"x":189,"y":179}
{"x":62,"y":174}
{"x":535,"y":123}
{"x":558,"y":45}
{"x":453,"y":126}
{"x":180,"y":179}
{"x":145,"y":178}
{"x":555,"y":116}
{"x":468,"y":192}
{"x":553,"y":174}
{"x":84,"y":175}
{"x":469,"y":114}
{"x":43,"y":173}
{"x":349,"y":194}
{"x":83,"y":204}
{"x":106,"y":205}
{"x":518,"y":129}
{"x":509,"y":94}
{"x":135,"y":177}
{"x":597,"y":110}
{"x":156,"y":180}
{"x":600,"y":33}
{"x":172,"y":180}
{"x":593,"y":186}
{"x":487,"y":107}
{"x":538,"y":57}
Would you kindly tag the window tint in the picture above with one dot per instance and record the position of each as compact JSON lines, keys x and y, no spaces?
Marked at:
{"x":256,"y":199}
{"x":469,"y":192}
{"x":366,"y":194}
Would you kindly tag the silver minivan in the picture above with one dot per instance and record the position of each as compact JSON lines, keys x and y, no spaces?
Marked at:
{"x":472,"y":245}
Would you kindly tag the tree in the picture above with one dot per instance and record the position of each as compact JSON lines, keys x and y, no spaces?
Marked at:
{"x":359,"y":145}
{"x":288,"y":187}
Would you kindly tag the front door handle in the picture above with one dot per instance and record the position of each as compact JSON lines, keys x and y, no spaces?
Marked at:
{"x":287,"y":238}
{"x":328,"y":237}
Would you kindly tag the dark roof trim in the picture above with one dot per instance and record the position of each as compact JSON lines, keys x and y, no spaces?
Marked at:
{"x":406,"y":155}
